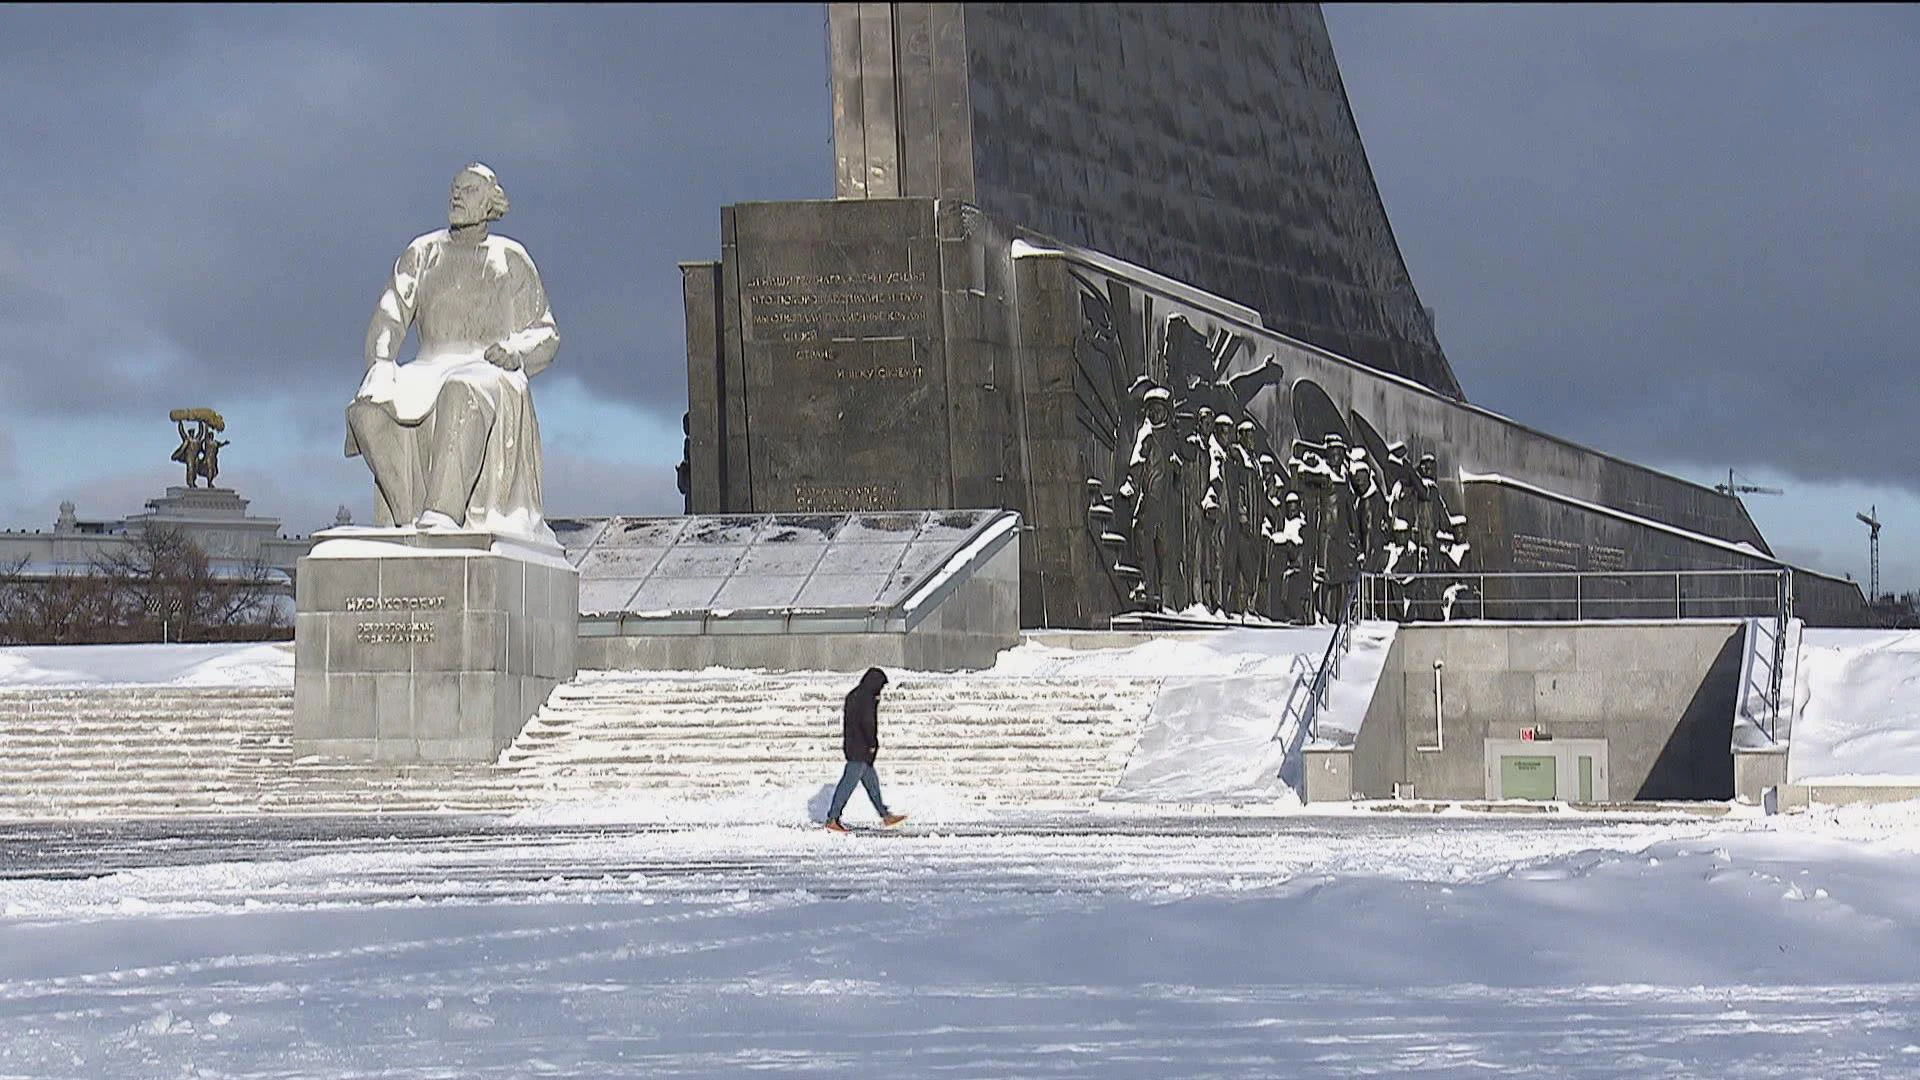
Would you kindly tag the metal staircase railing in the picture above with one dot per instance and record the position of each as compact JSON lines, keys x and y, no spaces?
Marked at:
{"x":1594,"y":594}
{"x":1329,"y":669}
{"x":1782,"y":618}
{"x":1579,"y":595}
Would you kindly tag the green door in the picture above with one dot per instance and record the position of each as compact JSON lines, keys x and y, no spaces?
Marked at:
{"x":1586,"y":778}
{"x":1528,"y":777}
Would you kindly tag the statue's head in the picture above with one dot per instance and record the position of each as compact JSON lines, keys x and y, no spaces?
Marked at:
{"x":1159,"y":406}
{"x":476,"y":197}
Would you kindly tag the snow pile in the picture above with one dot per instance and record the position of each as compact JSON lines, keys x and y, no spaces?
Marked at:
{"x":264,"y":664}
{"x":1217,"y":740}
{"x":1859,"y":708}
{"x":1229,"y":726}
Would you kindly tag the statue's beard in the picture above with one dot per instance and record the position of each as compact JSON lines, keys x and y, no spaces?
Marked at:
{"x":467,"y":217}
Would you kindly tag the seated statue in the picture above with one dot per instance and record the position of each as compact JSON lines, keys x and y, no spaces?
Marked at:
{"x":451,"y":435}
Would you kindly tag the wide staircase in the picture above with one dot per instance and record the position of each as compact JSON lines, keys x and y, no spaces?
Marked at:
{"x":138,"y":751}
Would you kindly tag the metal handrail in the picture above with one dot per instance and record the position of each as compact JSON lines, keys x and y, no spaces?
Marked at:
{"x":1737,"y":602}
{"x":1776,"y":602}
{"x":1783,"y":615}
{"x":1329,"y":669}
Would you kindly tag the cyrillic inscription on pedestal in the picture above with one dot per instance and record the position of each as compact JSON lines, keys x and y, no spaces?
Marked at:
{"x":418,"y":647}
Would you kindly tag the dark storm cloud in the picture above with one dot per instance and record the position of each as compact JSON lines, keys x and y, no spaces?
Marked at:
{"x":1684,"y":235}
{"x":1681,"y":235}
{"x":210,"y":197}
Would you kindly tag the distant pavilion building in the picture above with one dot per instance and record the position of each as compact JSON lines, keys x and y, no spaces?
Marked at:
{"x":215,"y":519}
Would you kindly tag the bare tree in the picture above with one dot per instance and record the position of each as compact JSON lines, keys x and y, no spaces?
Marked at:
{"x":66,"y":607}
{"x":158,"y":587}
{"x":166,"y":589}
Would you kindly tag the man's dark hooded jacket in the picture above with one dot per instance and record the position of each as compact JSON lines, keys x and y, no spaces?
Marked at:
{"x":860,"y":720}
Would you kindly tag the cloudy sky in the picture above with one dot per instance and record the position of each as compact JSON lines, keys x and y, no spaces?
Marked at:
{"x":1688,"y":236}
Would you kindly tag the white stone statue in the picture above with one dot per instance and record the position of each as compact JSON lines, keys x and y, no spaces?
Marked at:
{"x":451,"y":435}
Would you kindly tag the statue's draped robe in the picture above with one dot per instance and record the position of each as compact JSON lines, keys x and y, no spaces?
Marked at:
{"x":456,"y":424}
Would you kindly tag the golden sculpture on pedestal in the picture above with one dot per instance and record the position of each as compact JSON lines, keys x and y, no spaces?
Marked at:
{"x":199,"y":449}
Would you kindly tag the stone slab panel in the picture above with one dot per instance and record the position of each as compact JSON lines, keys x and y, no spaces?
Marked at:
{"x":332,"y":582}
{"x":437,"y":705}
{"x":706,"y":385}
{"x":406,"y":580}
{"x":393,"y":707}
{"x":1263,"y":196}
{"x":1546,"y":648}
{"x":1563,"y":697}
{"x":351,"y":709}
{"x":844,"y":374}
{"x":450,"y":750}
{"x":310,"y":641}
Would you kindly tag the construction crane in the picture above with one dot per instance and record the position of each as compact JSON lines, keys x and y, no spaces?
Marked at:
{"x":1871,"y":519}
{"x":1735,"y":488}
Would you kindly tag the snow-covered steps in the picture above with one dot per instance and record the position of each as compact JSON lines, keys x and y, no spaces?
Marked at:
{"x":144,"y":750}
{"x":163,"y":750}
{"x":137,"y":749}
{"x":1008,"y":739}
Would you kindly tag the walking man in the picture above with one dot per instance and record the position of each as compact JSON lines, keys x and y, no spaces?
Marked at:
{"x":860,"y":741}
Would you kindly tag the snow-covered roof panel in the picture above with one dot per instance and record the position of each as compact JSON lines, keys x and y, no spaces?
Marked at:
{"x":638,"y":532}
{"x":618,"y":562}
{"x":598,"y":596}
{"x":769,"y":562}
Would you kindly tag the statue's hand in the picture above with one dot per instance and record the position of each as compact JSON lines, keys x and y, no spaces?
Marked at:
{"x":499,"y":357}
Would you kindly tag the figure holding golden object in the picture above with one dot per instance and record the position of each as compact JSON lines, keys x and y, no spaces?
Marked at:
{"x":199,"y":450}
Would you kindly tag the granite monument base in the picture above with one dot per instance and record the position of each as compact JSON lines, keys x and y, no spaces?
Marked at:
{"x":427,"y":646}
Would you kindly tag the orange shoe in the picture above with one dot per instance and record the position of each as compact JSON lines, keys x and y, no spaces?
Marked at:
{"x":835,"y":826}
{"x":893,"y":819}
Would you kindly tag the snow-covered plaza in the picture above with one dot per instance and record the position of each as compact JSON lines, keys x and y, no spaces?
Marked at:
{"x":1196,"y":921}
{"x":1349,"y":944}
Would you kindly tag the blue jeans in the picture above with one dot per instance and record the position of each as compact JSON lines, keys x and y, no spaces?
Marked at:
{"x":856,"y":772}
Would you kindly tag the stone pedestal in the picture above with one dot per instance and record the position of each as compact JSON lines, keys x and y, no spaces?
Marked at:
{"x":424,"y":647}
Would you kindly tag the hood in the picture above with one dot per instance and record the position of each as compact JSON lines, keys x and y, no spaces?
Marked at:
{"x":873,"y":680}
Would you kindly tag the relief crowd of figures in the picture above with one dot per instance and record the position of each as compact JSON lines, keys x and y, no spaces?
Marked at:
{"x":1198,"y":508}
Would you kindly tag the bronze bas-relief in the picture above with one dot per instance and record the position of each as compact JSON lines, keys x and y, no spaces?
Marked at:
{"x":1199,"y":506}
